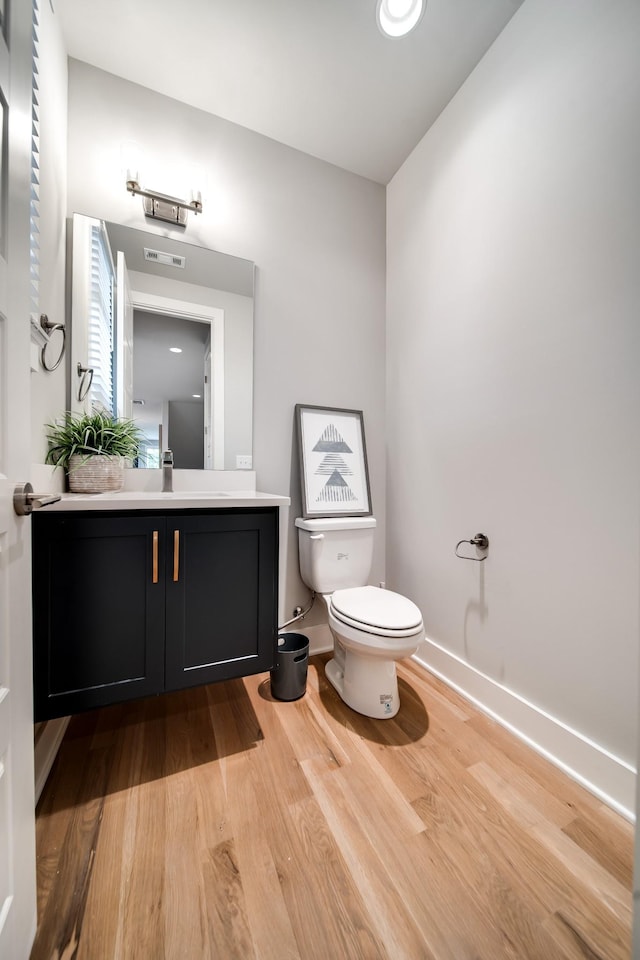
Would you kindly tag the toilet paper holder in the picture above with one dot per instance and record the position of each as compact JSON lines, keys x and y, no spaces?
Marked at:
{"x":481,"y":541}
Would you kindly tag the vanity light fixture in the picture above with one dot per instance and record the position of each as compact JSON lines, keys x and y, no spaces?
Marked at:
{"x":160,"y":206}
{"x":396,"y":18}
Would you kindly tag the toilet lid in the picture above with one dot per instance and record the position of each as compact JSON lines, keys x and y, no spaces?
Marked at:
{"x":376,"y":608}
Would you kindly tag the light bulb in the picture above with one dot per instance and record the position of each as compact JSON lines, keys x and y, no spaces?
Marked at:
{"x":397,"y":17}
{"x":399,"y":9}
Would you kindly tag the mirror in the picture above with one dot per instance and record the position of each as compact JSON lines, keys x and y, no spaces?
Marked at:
{"x":162,"y":332}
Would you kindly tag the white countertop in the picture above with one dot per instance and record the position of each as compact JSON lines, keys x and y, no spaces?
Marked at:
{"x":153,"y":500}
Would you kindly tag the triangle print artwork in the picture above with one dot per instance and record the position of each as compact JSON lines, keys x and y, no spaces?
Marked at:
{"x":332,"y":442}
{"x":333,"y":461}
{"x":336,"y":490}
{"x":334,"y":465}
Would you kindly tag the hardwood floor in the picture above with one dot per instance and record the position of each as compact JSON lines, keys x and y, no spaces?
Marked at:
{"x":219,"y":823}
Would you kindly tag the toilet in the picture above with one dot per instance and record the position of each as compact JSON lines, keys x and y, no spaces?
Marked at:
{"x":371,"y":627}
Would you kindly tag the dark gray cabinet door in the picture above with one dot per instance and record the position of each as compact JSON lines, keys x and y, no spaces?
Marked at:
{"x":221,"y":597}
{"x":98,"y":611}
{"x":126,"y":605}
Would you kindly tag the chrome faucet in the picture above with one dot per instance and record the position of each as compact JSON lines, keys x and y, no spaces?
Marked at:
{"x":167,"y":471}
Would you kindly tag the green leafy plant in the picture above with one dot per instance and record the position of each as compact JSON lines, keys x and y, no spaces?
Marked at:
{"x":89,"y":435}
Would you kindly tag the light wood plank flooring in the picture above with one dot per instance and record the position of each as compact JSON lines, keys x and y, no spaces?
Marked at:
{"x":219,"y":823}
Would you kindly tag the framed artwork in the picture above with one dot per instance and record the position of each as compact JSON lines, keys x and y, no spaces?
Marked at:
{"x":334,"y":474}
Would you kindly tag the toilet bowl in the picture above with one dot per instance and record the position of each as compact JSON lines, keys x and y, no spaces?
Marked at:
{"x":372,"y":628}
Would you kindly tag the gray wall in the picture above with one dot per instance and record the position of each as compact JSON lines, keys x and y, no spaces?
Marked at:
{"x":316,"y":234}
{"x":512,"y":348}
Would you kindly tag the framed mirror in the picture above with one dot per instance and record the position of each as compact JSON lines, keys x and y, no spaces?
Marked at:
{"x":162,"y":332}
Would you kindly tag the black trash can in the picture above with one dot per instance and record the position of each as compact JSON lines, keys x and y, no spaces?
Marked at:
{"x":289,"y":673}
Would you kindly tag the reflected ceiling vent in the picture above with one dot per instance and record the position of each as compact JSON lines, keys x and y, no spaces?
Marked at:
{"x":168,"y":259}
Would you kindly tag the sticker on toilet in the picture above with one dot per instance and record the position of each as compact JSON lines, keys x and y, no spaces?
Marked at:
{"x":385,"y":700}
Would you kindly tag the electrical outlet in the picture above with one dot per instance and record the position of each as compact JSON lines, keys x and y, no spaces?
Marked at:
{"x":244,"y":462}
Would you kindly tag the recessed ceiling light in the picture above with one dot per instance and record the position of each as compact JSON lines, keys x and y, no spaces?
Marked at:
{"x":196,"y":395}
{"x":175,"y":349}
{"x":397,"y":17}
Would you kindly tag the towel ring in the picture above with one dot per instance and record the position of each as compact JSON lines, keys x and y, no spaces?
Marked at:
{"x":86,"y":379}
{"x":481,"y":541}
{"x":50,"y":328}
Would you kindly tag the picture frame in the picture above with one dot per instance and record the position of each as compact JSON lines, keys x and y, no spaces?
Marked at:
{"x":334,"y":473}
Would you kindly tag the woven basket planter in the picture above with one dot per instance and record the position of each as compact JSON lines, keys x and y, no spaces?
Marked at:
{"x":100,"y":474}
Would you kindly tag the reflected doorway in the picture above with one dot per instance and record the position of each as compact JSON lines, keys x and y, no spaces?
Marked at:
{"x":178,"y":381}
{"x":171,"y":375}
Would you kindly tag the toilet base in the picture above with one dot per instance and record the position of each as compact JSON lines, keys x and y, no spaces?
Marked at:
{"x":369,"y":685}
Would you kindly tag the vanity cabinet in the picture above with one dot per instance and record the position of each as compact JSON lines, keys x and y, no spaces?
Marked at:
{"x":128,"y":604}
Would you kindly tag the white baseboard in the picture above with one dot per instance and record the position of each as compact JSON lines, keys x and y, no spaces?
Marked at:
{"x":46,"y":748}
{"x":611,"y":779}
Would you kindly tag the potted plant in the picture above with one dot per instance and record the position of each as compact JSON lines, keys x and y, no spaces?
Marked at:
{"x":93,"y":448}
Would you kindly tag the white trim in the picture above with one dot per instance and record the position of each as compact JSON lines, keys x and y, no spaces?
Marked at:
{"x":607,"y":776}
{"x":214,"y":316}
{"x":46,"y":750}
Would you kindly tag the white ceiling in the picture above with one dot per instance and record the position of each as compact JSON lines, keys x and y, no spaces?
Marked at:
{"x":314,"y":74}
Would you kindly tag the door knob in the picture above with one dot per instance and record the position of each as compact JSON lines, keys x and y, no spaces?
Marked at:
{"x":25,"y":501}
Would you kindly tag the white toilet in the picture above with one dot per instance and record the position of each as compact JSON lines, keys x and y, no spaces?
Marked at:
{"x":371,"y":627}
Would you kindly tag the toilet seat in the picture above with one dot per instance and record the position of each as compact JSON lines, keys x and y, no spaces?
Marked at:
{"x":382,"y":613}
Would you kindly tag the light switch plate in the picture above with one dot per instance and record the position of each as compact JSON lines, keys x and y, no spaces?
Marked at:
{"x":244,"y":462}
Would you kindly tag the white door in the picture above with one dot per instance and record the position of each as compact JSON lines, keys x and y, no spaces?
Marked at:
{"x":208,"y":432}
{"x":124,"y":339}
{"x":17,"y":824}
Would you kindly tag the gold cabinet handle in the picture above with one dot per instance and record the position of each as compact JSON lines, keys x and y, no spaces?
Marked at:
{"x":176,"y":555}
{"x":155,"y":556}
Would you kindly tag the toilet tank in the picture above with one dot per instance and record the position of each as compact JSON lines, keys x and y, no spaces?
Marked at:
{"x":335,"y":552}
